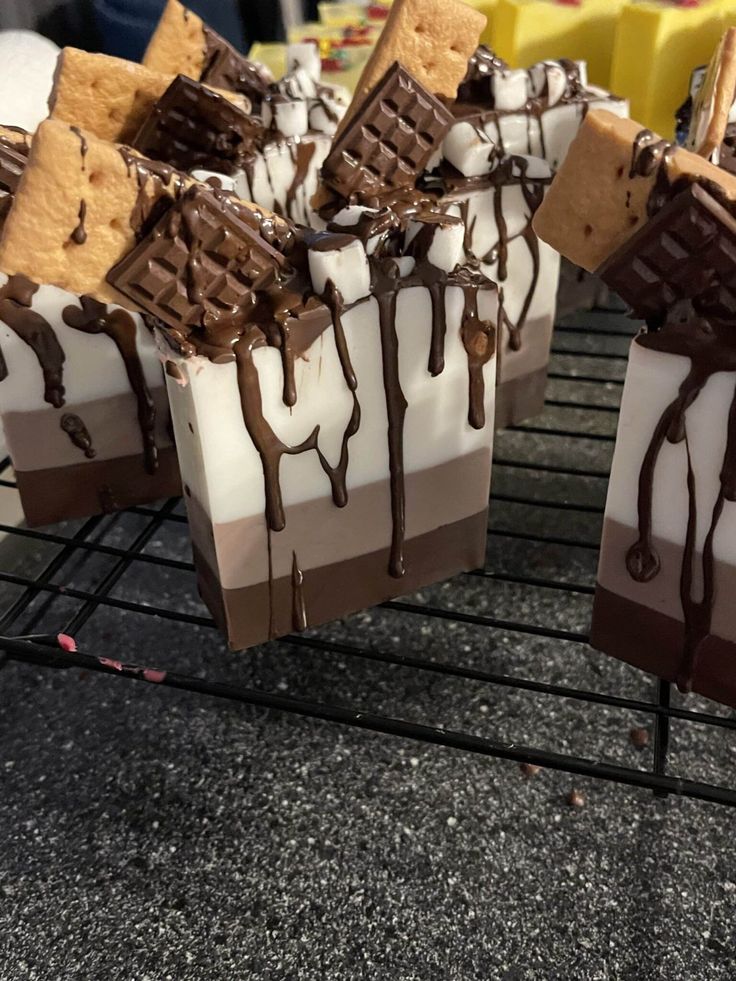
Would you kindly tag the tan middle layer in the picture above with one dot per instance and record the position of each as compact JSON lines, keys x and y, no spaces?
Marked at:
{"x":321,"y":534}
{"x":36,"y":440}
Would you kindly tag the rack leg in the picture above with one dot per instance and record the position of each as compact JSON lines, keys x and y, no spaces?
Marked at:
{"x":662,"y":732}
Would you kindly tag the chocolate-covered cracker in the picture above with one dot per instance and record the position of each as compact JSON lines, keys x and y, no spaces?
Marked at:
{"x":226,"y":68}
{"x":13,"y":159}
{"x":389,"y":139}
{"x":200,"y":266}
{"x":191,"y":126}
{"x":687,"y":251}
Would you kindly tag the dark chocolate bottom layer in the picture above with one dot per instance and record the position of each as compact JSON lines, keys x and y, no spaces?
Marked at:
{"x":520,"y":398}
{"x":252,"y":614}
{"x":654,"y":642}
{"x":96,"y":487}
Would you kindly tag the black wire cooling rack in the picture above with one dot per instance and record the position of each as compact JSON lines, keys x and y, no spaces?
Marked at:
{"x":549,"y":487}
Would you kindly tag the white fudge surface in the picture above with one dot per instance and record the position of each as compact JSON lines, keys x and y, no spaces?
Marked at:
{"x":652,"y":383}
{"x":221,"y":466}
{"x":93,"y":366}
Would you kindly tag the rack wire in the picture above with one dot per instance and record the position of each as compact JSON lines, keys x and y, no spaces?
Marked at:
{"x":547,"y":503}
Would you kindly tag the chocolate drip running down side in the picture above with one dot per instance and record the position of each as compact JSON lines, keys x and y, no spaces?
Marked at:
{"x":299,"y":621}
{"x":78,"y":433}
{"x":96,"y":318}
{"x":79,"y":235}
{"x":16,"y":298}
{"x":158,"y":185}
{"x":384,"y":274}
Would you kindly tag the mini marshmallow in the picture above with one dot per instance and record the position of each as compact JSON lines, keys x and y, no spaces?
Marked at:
{"x":345,"y":266}
{"x":510,"y":90}
{"x":405,"y":264}
{"x":470,"y":150}
{"x":556,"y":81}
{"x":534,"y":168}
{"x":212,"y":176}
{"x":350,"y":216}
{"x":306,"y":56}
{"x":289,"y":116}
{"x":298,"y":84}
{"x":324,"y":114}
{"x":447,"y":248}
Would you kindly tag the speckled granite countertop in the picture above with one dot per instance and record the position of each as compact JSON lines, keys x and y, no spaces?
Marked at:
{"x":151,"y":834}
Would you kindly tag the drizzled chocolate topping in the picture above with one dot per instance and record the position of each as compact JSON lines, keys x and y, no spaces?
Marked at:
{"x":482,"y":66}
{"x":96,"y":318}
{"x":16,"y":298}
{"x":13,"y":160}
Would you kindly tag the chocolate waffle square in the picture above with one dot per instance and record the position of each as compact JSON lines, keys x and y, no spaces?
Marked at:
{"x":687,"y":251}
{"x":200,"y":266}
{"x":390,"y":139}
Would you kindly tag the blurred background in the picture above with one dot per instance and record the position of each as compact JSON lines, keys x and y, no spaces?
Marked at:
{"x":122,"y":27}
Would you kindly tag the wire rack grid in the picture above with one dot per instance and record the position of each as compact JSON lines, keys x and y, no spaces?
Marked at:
{"x":512,"y":633}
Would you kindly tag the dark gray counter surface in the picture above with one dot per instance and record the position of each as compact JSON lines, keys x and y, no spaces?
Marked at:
{"x":151,"y":834}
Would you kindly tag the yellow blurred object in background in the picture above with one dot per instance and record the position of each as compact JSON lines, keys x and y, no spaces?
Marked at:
{"x":527,"y":31}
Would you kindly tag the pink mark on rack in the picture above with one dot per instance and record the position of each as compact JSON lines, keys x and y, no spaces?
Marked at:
{"x":109,"y":663}
{"x":155,"y":677}
{"x":66,"y":643}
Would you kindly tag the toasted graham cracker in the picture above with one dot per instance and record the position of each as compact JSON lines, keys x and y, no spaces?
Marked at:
{"x":37,"y":237}
{"x":178,"y":43}
{"x":594,"y":203}
{"x":109,"y":97}
{"x":433,"y":39}
{"x":713,"y":102}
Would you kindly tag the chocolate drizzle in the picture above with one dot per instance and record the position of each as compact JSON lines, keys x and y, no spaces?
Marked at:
{"x":384,"y":289}
{"x":96,"y":318}
{"x":298,"y":606}
{"x":16,"y":298}
{"x":83,"y":147}
{"x":79,"y":235}
{"x":78,"y":433}
{"x":301,"y":155}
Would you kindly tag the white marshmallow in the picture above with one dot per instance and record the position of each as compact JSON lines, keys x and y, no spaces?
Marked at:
{"x":298,"y":84}
{"x":447,"y":248}
{"x":347,"y":268}
{"x":405,"y":264}
{"x":470,"y":150}
{"x":510,"y":90}
{"x":289,"y":116}
{"x":304,"y":55}
{"x":556,"y":81}
{"x":324,"y":114}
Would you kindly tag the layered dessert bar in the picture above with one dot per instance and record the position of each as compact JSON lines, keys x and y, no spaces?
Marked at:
{"x":511,"y":132}
{"x":272,"y":156}
{"x":527,"y":31}
{"x":82,"y":397}
{"x":658,"y":44}
{"x":332,"y":390}
{"x":658,"y":223}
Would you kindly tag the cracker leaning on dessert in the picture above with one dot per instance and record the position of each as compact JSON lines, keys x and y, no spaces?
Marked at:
{"x":659,"y":224}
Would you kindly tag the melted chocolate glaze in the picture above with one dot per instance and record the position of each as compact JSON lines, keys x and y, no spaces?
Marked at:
{"x":158,"y":185}
{"x":96,"y":318}
{"x":79,"y":235}
{"x":78,"y":433}
{"x":16,"y":298}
